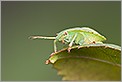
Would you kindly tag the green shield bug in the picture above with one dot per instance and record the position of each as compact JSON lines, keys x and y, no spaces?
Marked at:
{"x":76,"y":36}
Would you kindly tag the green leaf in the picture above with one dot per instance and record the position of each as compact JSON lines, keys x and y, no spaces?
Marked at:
{"x":89,"y":62}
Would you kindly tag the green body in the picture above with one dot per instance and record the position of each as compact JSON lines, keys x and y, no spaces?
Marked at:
{"x":82,"y":36}
{"x":78,"y":36}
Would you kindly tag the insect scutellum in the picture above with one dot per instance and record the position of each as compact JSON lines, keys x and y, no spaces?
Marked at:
{"x":78,"y":35}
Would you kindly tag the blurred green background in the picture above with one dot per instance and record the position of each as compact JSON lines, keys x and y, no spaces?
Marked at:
{"x":24,"y":59}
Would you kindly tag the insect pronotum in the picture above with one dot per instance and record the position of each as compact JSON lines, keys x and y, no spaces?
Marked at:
{"x":76,"y":36}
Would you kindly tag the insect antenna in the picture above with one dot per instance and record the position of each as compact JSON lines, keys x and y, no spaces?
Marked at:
{"x":42,"y":37}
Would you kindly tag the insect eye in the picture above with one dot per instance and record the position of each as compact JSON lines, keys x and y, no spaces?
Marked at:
{"x":65,"y":33}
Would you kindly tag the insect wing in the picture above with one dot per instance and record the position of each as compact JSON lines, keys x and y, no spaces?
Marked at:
{"x":90,"y":38}
{"x":90,"y":32}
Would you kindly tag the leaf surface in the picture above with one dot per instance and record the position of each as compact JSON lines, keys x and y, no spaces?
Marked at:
{"x":89,"y":62}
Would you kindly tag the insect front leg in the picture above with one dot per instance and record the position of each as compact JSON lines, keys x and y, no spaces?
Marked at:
{"x":71,"y":43}
{"x":55,"y":47}
{"x":63,"y":39}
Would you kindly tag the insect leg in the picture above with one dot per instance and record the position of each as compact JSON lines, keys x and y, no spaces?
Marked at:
{"x":55,"y":48}
{"x":72,"y":40}
{"x":82,"y":40}
{"x":80,"y":43}
{"x":63,"y":39}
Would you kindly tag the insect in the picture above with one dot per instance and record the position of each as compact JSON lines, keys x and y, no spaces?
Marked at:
{"x":75,"y":36}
